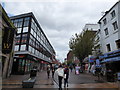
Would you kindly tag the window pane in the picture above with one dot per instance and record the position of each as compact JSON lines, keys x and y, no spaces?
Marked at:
{"x":19,"y":24}
{"x":23,"y":47}
{"x":26,"y":23}
{"x":30,"y":48}
{"x":16,"y":47}
{"x":25,"y":29}
{"x":32,"y":32}
{"x":27,"y":18}
{"x":19,"y":30}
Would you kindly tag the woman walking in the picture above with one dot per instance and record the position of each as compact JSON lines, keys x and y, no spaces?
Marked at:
{"x":60,"y":73}
{"x":48,"y":71}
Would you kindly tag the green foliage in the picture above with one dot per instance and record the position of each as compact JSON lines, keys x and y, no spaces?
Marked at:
{"x":82,"y":44}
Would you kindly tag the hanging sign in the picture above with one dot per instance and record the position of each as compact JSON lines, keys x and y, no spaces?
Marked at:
{"x":7,"y":40}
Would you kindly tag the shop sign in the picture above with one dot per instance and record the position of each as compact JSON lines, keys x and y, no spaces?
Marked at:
{"x":21,"y":56}
{"x":7,"y":40}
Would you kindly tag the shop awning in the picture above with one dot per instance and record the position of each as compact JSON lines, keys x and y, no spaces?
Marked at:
{"x":111,"y":59}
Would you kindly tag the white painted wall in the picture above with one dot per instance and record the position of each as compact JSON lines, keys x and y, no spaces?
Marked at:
{"x":113,"y":34}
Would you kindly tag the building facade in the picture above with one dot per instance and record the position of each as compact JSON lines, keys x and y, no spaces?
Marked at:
{"x":7,"y":41}
{"x":32,"y":47}
{"x":110,"y":40}
{"x":110,"y":29}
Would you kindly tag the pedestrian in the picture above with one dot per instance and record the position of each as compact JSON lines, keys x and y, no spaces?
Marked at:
{"x":60,"y":73}
{"x":77,"y":69}
{"x":48,"y":71}
{"x":53,"y":71}
{"x":71,"y":67}
{"x":66,"y":75}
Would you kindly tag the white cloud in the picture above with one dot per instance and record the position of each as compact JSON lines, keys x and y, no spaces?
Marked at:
{"x":60,"y":19}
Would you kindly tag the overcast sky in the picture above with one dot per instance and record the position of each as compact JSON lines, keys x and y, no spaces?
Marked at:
{"x":60,"y":19}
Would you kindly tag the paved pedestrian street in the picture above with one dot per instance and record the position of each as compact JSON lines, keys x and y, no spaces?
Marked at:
{"x":84,"y":80}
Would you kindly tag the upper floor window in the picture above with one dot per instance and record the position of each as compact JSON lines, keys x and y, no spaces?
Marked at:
{"x":106,"y":31}
{"x":118,"y":44}
{"x":16,"y":47}
{"x":115,"y":26}
{"x":19,"y":30}
{"x":113,"y":13}
{"x":105,"y":21}
{"x":108,"y":47}
{"x":25,"y":29}
{"x":23,"y":47}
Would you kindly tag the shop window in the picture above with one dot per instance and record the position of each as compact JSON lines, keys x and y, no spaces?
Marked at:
{"x":16,"y":47}
{"x":23,"y":47}
{"x":108,"y":47}
{"x":115,"y":26}
{"x":21,"y":65}
{"x":25,"y":29}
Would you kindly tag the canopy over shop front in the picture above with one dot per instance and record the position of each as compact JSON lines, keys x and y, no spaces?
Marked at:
{"x":111,"y":59}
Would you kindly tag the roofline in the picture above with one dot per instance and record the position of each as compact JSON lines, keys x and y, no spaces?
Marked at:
{"x":91,"y":24}
{"x":108,"y":11}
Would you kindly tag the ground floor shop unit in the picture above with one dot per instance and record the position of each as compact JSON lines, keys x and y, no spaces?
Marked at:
{"x":111,"y":61}
{"x":23,"y":64}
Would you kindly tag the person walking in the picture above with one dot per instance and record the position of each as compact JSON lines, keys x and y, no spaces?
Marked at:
{"x":77,"y":69}
{"x":53,"y":71}
{"x":66,"y":75}
{"x":71,"y":68}
{"x":60,"y":73}
{"x":48,"y":71}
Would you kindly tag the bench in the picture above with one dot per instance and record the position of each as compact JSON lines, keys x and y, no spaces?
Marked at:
{"x":29,"y":83}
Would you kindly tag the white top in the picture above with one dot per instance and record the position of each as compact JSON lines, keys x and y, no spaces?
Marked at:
{"x":60,"y":72}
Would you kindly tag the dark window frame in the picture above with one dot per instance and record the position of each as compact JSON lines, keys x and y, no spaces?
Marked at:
{"x":106,"y":31}
{"x":108,"y":47}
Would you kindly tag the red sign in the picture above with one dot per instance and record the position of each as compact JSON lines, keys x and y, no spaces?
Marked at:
{"x":22,"y":56}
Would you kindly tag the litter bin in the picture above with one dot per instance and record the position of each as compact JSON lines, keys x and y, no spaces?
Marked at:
{"x":33,"y":73}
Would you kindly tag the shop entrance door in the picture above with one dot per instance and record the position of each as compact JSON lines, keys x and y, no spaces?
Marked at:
{"x":15,"y":66}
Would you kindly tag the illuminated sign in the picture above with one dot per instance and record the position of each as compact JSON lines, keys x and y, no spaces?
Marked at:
{"x":7,"y":40}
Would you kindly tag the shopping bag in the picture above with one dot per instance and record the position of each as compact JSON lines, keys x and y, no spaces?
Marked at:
{"x":77,"y":72}
{"x":65,"y":76}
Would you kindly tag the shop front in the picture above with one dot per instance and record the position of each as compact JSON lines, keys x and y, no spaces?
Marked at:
{"x":112,"y":63}
{"x":22,"y":64}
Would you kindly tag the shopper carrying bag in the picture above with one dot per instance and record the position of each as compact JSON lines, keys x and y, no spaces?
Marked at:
{"x":60,"y":73}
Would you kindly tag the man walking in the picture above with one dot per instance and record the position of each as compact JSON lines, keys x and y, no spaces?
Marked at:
{"x":66,"y":75}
